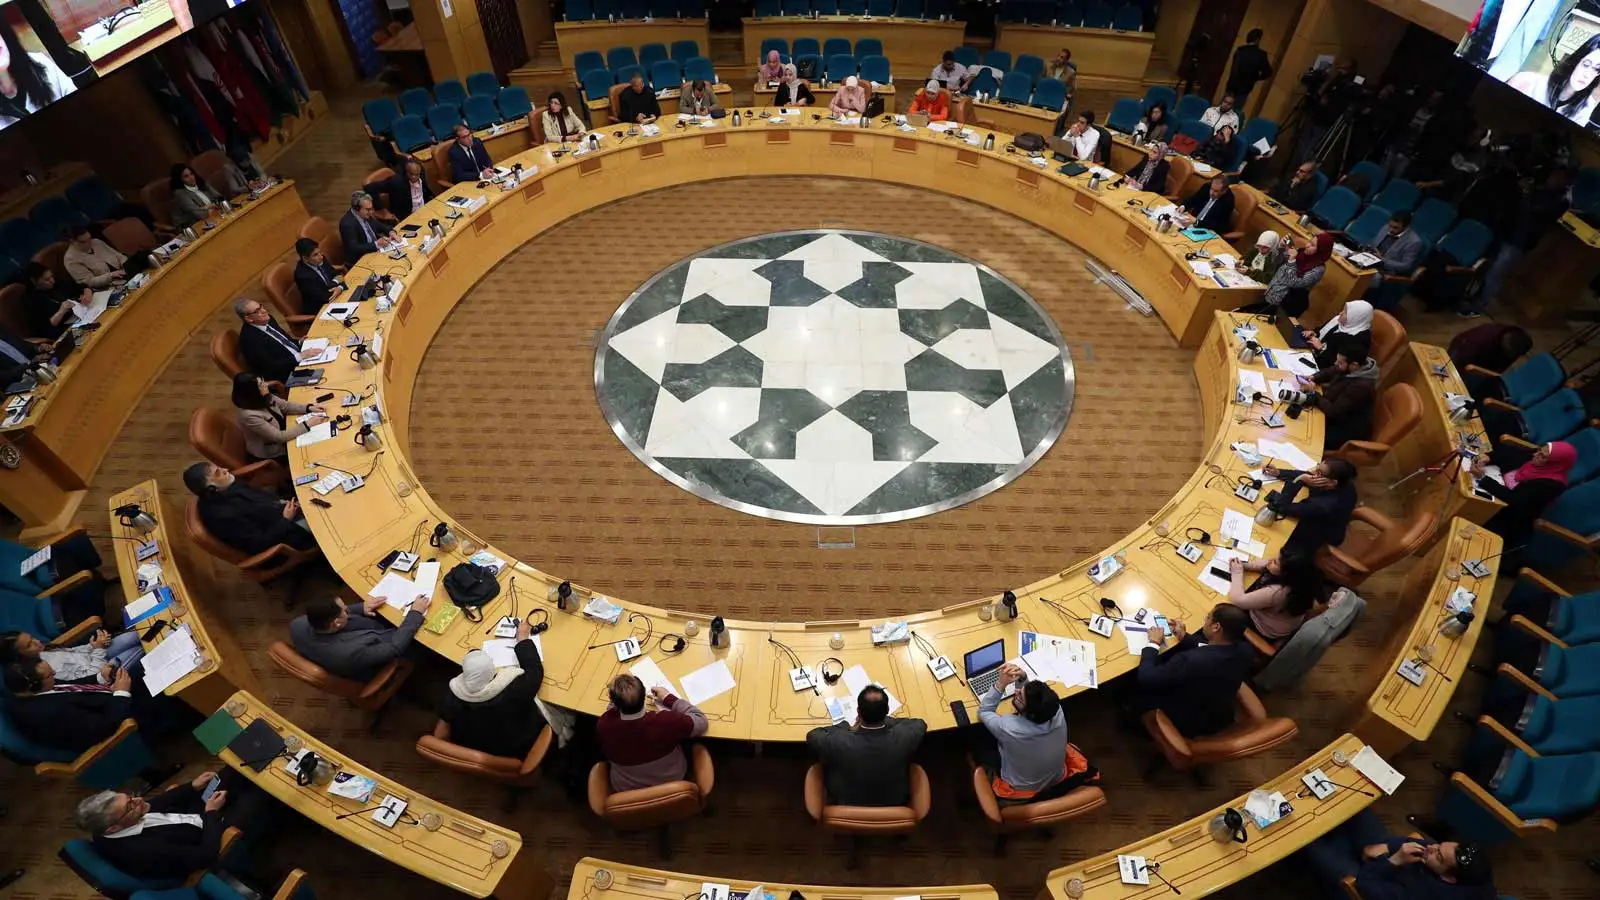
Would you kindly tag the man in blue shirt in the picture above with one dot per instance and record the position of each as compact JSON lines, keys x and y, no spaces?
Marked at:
{"x":1397,"y":868}
{"x":1025,"y":753}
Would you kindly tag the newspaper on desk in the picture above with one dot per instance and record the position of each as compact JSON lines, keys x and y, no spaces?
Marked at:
{"x":176,"y":656}
{"x":1365,"y":260}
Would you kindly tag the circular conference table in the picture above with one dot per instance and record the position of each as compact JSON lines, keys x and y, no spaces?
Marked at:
{"x":394,"y":512}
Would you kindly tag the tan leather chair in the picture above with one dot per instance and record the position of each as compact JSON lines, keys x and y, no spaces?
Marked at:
{"x":1361,"y":554}
{"x":1244,"y":206}
{"x":209,"y":166}
{"x":284,"y":295}
{"x":656,"y":806}
{"x":225,"y":353}
{"x":614,"y":110}
{"x":327,"y":238}
{"x":1252,"y":732}
{"x":862,"y":821}
{"x":1042,"y":815}
{"x":51,"y":256}
{"x":261,"y":567}
{"x":371,"y":696}
{"x":215,"y":435}
{"x":130,"y":236}
{"x":12,"y":315}
{"x":1179,"y":168}
{"x":438,"y":167}
{"x":515,"y":773}
{"x":536,"y":123}
{"x":376,"y":184}
{"x":1388,"y":337}
{"x":157,"y":197}
{"x":1399,"y":409}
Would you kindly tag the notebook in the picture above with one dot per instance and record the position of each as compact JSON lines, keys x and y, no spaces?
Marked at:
{"x":217,"y":732}
{"x":257,"y":745}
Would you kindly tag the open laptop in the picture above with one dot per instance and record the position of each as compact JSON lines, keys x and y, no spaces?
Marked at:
{"x":1290,"y":329}
{"x":983,"y":666}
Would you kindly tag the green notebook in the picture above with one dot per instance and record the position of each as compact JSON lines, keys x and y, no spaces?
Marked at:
{"x":217,"y":732}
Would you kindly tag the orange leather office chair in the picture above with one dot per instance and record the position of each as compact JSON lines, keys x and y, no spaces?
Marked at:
{"x":371,"y":696}
{"x":656,"y":806}
{"x":1043,"y":814}
{"x":261,"y":567}
{"x":284,"y":295}
{"x":514,"y":773}
{"x":859,"y":821}
{"x":1179,"y":168}
{"x":1388,"y":337}
{"x":614,"y":110}
{"x":215,"y":435}
{"x":157,"y":197}
{"x":1244,"y":206}
{"x":51,"y":256}
{"x":374,"y":183}
{"x":1399,"y":409}
{"x":209,"y":166}
{"x":1362,"y":554}
{"x":440,"y":166}
{"x":225,"y":353}
{"x":1252,"y":732}
{"x":327,"y":238}
{"x":130,"y":236}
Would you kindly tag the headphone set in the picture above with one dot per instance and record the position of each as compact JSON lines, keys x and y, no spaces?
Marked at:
{"x":831,"y":678}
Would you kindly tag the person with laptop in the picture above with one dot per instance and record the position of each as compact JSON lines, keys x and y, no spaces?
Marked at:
{"x":1084,"y":137}
{"x":1024,"y":753}
{"x":351,"y":641}
{"x":1349,"y":331}
{"x":1194,"y":683}
{"x":246,"y":518}
{"x":1211,"y":207}
{"x":868,"y":762}
{"x":931,"y":102}
{"x":1324,"y":515}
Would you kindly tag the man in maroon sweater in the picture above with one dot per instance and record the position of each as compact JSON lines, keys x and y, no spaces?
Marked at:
{"x":645,"y":748}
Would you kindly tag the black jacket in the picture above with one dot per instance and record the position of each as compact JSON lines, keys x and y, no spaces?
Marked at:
{"x":507,"y":724}
{"x":250,"y":520}
{"x":39,"y":306}
{"x":464,"y":165}
{"x":1194,"y":683}
{"x":1298,"y":197}
{"x":266,"y":357}
{"x":1347,"y":402}
{"x":398,"y":190}
{"x":1525,"y":503}
{"x":1249,"y":66}
{"x":354,"y":237}
{"x":316,"y":284}
{"x":1221,"y":214}
{"x":69,"y":721}
{"x":868,"y":767}
{"x":167,"y":851}
{"x":631,"y":105}
{"x":783,"y":97}
{"x":1323,"y":516}
{"x":1158,"y":178}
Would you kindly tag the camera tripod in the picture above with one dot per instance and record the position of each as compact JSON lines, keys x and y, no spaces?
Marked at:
{"x":1448,"y":465}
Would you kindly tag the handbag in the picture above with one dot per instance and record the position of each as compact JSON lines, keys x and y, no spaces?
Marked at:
{"x":874,"y":106}
{"x":1184,"y":144}
{"x":1029,"y":142}
{"x":470,"y":586}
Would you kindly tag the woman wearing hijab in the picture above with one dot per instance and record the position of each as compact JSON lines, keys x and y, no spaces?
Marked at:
{"x":1526,"y":490}
{"x":495,"y":710}
{"x":793,"y":90}
{"x":772,"y":69}
{"x":1264,"y":263}
{"x":850,"y":99}
{"x":932,"y":102}
{"x":1289,"y":291}
{"x":1150,"y":175}
{"x":1350,"y":333}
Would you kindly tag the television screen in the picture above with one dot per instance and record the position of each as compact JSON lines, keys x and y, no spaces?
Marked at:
{"x":50,"y":48}
{"x":1549,"y":50}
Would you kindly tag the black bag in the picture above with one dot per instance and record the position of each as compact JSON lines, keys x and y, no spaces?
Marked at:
{"x":470,"y":586}
{"x":806,"y":67}
{"x":875,"y":106}
{"x":1029,"y":142}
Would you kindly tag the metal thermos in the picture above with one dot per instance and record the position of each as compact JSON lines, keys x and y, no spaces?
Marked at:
{"x":1248,"y":351}
{"x":368,"y":439}
{"x":443,"y":538}
{"x":1456,"y":625}
{"x":988,"y":142}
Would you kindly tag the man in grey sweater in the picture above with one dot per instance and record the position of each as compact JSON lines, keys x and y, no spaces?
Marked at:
{"x":868,"y":763}
{"x":1024,"y":753}
{"x":352,"y":642}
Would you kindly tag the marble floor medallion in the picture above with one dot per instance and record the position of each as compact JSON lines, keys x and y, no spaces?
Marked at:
{"x":834,"y":377}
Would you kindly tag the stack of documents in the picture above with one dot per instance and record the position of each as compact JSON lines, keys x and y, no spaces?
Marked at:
{"x":1286,"y":452}
{"x":400,"y":592}
{"x":504,"y":654}
{"x":1063,"y":660}
{"x":170,"y":660}
{"x":651,"y":675}
{"x":315,"y":351}
{"x":316,"y":434}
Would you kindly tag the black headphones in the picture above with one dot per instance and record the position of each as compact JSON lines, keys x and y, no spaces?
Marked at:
{"x":543,"y":625}
{"x":306,"y":770}
{"x":1197,"y":535}
{"x":1109,"y":607}
{"x":672,"y":643}
{"x":831,"y":677}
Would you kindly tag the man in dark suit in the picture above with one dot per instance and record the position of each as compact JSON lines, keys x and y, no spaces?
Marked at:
{"x":1298,"y":189}
{"x":1250,"y":65}
{"x":173,"y":834}
{"x":1195,"y":684}
{"x":867,"y":763}
{"x":469,"y":161}
{"x":406,"y":189}
{"x":71,"y":717}
{"x":316,"y":278}
{"x":360,"y":231}
{"x":350,"y":641}
{"x":1324,"y":515}
{"x":245,"y":518}
{"x":1212,"y":206}
{"x":268,"y":350}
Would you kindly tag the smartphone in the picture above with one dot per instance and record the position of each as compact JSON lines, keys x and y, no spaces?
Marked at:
{"x":211,"y":787}
{"x":1223,"y":574}
{"x":959,"y":710}
{"x":1161,"y":623}
{"x":306,"y":479}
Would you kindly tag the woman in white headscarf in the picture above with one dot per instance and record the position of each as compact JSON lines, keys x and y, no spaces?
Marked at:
{"x":1264,"y":263}
{"x":850,"y":99}
{"x":793,"y":90}
{"x":496,"y":710}
{"x":1350,"y":333}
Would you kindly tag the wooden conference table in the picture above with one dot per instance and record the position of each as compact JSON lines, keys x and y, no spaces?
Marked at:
{"x":75,"y":421}
{"x":593,"y":878}
{"x":912,"y":46}
{"x":1431,"y":444}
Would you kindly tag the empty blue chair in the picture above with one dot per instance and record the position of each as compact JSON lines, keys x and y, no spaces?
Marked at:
{"x":20,"y":239}
{"x":807,"y":47}
{"x":514,"y":103}
{"x":875,"y":69}
{"x":1537,"y":378}
{"x":1049,"y":93}
{"x":1097,"y":15}
{"x":81,"y":858}
{"x":1572,"y":619}
{"x":442,"y":120}
{"x":1015,"y":88}
{"x":683,"y":51}
{"x":998,"y":59}
{"x":1537,"y":791}
{"x":1553,"y":418}
{"x":967,"y":56}
{"x":411,"y":133}
{"x":480,"y":112}
{"x":1161,"y":94}
{"x":1125,"y":115}
{"x":1196,"y":129}
{"x":652,"y":53}
{"x":54,"y":215}
{"x":1576,"y":670}
{"x":1336,"y":208}
{"x":1069,"y":13}
{"x":841,"y":66}
{"x":1432,"y":219}
{"x":770,"y":44}
{"x":604,"y":8}
{"x":835,"y":46}
{"x":852,"y":8}
{"x":881,"y":8}
{"x":1029,"y":65}
{"x":665,"y":75}
{"x":768,"y":9}
{"x":1398,"y":195}
{"x":1374,"y":173}
{"x":985,"y":84}
{"x":578,"y":11}
{"x":450,"y":91}
{"x":117,"y":763}
{"x":620,"y":57}
{"x":586,"y":62}
{"x":416,"y":101}
{"x":868,"y":47}
{"x":1320,"y":179}
{"x":94,"y":198}
{"x":1561,"y":727}
{"x":597,"y":84}
{"x":1127,"y":17}
{"x":626,"y":73}
{"x":380,"y":115}
{"x":698,"y":68}
{"x":1467,"y":242}
{"x":797,"y":7}
{"x":1190,"y":106}
{"x":825,"y":7}
{"x":1370,"y":226}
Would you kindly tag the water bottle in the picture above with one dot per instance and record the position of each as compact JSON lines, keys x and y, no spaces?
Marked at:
{"x":988,"y":142}
{"x":737,"y":121}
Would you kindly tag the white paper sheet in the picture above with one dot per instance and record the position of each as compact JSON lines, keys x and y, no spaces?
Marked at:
{"x":707,"y":682}
{"x":396,"y":590}
{"x":1297,"y":361}
{"x":1237,"y":525}
{"x":1377,"y":770}
{"x":1253,"y":380}
{"x":1220,"y":561}
{"x":316,"y":435}
{"x":648,"y":672}
{"x":170,"y":660}
{"x":1138,"y":638}
{"x":1287,"y":453}
{"x":427,"y":578}
{"x":504,"y":653}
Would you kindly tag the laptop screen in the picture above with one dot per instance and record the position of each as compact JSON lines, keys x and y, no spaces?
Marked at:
{"x":986,"y":657}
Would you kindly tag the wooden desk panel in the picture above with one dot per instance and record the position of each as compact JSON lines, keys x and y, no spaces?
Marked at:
{"x":639,"y":883}
{"x":1012,"y":119}
{"x":1435,"y":438}
{"x":1198,"y":865}
{"x":573,"y":38}
{"x":912,"y":46}
{"x":1106,"y":58}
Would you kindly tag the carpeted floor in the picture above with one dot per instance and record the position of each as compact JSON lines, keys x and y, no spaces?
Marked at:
{"x":541,"y":474}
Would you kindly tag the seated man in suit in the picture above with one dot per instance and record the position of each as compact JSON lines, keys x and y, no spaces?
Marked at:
{"x":1325,"y":513}
{"x":71,"y":717}
{"x":1212,"y":206}
{"x":469,"y":161}
{"x":1196,"y":683}
{"x":173,"y":834}
{"x":1401,"y":249}
{"x":316,"y":278}
{"x":267,"y":349}
{"x":1298,"y":189}
{"x":408,"y":189}
{"x":245,"y":518}
{"x":868,"y":762}
{"x":351,"y":641}
{"x":361,"y":232}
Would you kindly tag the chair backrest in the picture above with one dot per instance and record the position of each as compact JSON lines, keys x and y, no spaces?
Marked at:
{"x":380,"y":114}
{"x":442,"y":120}
{"x":1432,"y":219}
{"x":1398,"y":195}
{"x":967,"y":55}
{"x":1320,"y":179}
{"x":1030,"y":65}
{"x":51,"y":256}
{"x":698,"y":68}
{"x":647,"y":807}
{"x":867,"y":819}
{"x":587,"y":61}
{"x":19,"y":747}
{"x":225,"y":352}
{"x":289,"y":660}
{"x":1196,"y":129}
{"x":12,"y":315}
{"x":1125,"y":115}
{"x":985,"y":83}
{"x":1393,"y":544}
{"x":411,"y":133}
{"x":774,"y":43}
{"x":282,"y":293}
{"x":625,"y":74}
{"x":804,"y":46}
{"x":1467,"y":242}
{"x":1587,"y":443}
{"x":617,"y":57}
{"x":480,"y":112}
{"x":1179,"y":168}
{"x":1586,"y":189}
{"x":578,"y":11}
{"x":1399,"y":410}
{"x":1016,"y":87}
{"x":1097,"y":15}
{"x":129,"y":236}
{"x":869,"y":47}
{"x":327,"y":238}
{"x":875,"y":69}
{"x":841,"y":66}
{"x":597,"y":84}
{"x":1244,"y":206}
{"x":1049,"y":93}
{"x":514,"y":103}
{"x":1388,"y":337}
{"x":1256,"y":129}
{"x":215,"y":435}
{"x":1190,"y":106}
{"x":1069,"y":13}
{"x":767,"y":9}
{"x":157,"y":197}
{"x":1555,"y":417}
{"x":204,"y":539}
{"x":1337,"y":207}
{"x":683,"y":51}
{"x":1163,"y":95}
{"x":449,"y":91}
{"x":80,"y":856}
{"x":652,"y":53}
{"x":415,"y":101}
{"x":836,"y":46}
{"x":884,"y":8}
{"x":665,"y":75}
{"x":796,"y":7}
{"x":483,"y":84}
{"x":20,"y":239}
{"x":210,"y":166}
{"x":1368,"y":228}
{"x":1127,"y":17}
{"x":93,"y":197}
{"x":54,"y":215}
{"x":1374,"y":173}
{"x":998,"y":59}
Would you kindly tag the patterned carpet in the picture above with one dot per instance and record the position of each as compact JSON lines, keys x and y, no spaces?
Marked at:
{"x":550,"y":482}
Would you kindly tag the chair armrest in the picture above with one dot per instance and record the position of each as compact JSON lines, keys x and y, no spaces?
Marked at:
{"x":1519,"y":442}
{"x":1371,"y":451}
{"x":291,"y":883}
{"x":987,"y":801}
{"x":1262,"y":645}
{"x":540,"y":748}
{"x":1507,"y":819}
{"x":77,"y":634}
{"x":1247,"y":706}
{"x":1526,"y":624}
{"x":382,"y":679}
{"x":1493,"y":401}
{"x":1370,"y":516}
{"x":299,"y":324}
{"x":1347,"y":883}
{"x":262,"y":472}
{"x":1524,"y":682}
{"x":1505,"y":735}
{"x":1571,"y":537}
{"x":701,"y":771}
{"x":229,"y":837}
{"x":599,"y":787}
{"x":76,"y":579}
{"x":441,"y":730}
{"x":88,"y":757}
{"x":1161,"y":728}
{"x":1543,"y":582}
{"x":1480,"y":370}
{"x":269,"y":558}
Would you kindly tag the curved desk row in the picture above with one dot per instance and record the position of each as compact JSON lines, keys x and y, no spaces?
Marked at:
{"x":75,"y":421}
{"x":1439,"y":479}
{"x":573,"y":38}
{"x":594,"y":879}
